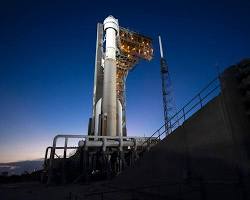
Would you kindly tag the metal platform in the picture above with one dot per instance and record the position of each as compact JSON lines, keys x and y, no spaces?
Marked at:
{"x":102,"y":156}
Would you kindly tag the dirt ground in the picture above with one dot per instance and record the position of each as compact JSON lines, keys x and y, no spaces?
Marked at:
{"x":37,"y":191}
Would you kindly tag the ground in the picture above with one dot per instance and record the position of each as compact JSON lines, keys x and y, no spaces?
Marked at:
{"x":37,"y":191}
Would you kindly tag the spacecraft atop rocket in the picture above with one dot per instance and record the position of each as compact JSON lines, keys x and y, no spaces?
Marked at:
{"x":118,"y":50}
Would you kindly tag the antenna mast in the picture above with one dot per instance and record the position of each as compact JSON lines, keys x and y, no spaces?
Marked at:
{"x":168,"y":106}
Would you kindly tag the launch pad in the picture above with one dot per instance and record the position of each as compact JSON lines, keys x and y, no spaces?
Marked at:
{"x":107,"y":149}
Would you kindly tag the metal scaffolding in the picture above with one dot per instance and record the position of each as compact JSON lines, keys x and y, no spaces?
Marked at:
{"x":168,"y":101}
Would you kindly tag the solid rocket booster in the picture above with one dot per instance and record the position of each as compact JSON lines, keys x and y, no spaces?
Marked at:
{"x":109,"y":83}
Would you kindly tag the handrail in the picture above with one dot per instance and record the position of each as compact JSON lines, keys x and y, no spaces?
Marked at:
{"x":101,"y":141}
{"x":176,"y":118}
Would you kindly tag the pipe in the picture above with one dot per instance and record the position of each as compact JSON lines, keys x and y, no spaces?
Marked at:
{"x":98,"y":137}
{"x":99,"y":141}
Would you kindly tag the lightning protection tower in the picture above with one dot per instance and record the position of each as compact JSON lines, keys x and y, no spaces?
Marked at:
{"x":168,"y":101}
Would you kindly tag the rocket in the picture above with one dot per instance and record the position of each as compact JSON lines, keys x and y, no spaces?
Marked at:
{"x":107,"y":111}
{"x":117,"y":52}
{"x":109,"y":106}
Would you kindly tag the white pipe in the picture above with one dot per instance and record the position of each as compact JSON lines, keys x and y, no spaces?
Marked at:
{"x":109,"y":143}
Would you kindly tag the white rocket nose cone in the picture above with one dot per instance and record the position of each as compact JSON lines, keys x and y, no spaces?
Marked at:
{"x":111,"y":22}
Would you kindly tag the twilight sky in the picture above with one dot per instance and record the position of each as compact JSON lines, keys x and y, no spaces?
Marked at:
{"x":47,"y":51}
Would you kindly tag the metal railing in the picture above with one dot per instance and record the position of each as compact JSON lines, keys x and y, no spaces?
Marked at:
{"x":88,"y":141}
{"x":210,"y":91}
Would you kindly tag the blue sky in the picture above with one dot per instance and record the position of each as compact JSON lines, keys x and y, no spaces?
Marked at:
{"x":47,"y":51}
